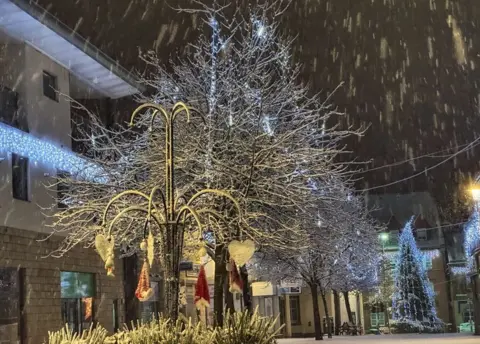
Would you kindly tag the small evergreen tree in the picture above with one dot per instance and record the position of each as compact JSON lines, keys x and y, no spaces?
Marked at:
{"x":413,"y":297}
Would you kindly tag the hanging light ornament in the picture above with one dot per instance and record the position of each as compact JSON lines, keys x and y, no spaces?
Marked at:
{"x":105,"y":248}
{"x":241,"y":251}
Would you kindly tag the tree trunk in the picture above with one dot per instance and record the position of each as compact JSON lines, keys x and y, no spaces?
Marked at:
{"x":448,"y":278}
{"x":229,"y":302}
{"x":387,"y":316}
{"x":327,"y":315}
{"x":220,"y":273}
{"x":316,"y":313}
{"x":338,"y":320}
{"x":247,"y":296}
{"x":347,"y":305}
{"x":172,"y":255}
{"x":130,"y":276}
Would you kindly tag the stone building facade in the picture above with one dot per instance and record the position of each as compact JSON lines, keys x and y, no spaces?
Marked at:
{"x":39,"y":286}
{"x":40,"y":61}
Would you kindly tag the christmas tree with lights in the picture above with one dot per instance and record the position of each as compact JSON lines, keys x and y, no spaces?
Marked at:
{"x":413,"y":297}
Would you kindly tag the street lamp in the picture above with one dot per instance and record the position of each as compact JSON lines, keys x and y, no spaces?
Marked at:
{"x":172,"y":213}
{"x":475,"y":193}
{"x":384,"y":237}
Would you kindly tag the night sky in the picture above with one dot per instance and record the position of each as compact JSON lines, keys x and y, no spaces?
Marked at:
{"x":409,"y":68}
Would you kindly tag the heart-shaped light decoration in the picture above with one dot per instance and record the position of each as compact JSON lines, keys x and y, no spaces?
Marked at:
{"x":105,"y":248}
{"x":241,"y":251}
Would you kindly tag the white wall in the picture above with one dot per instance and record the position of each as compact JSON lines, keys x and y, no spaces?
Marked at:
{"x":22,"y":71}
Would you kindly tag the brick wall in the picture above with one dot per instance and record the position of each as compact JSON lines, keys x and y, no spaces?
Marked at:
{"x":22,"y":249}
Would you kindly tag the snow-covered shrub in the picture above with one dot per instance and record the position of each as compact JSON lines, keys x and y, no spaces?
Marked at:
{"x":94,"y":335}
{"x":246,"y":328}
{"x":405,"y":326}
{"x":239,"y":328}
{"x":163,"y":331}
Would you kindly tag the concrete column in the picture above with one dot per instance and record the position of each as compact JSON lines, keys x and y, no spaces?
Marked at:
{"x":276,"y":310}
{"x":288,"y":320}
{"x":476,"y":303}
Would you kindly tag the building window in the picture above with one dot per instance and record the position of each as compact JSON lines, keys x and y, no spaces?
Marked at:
{"x":20,"y":177}
{"x":295,"y":310}
{"x":9,"y":113}
{"x":50,"y":86}
{"x":77,"y":294}
{"x":377,"y":319}
{"x":62,"y":189}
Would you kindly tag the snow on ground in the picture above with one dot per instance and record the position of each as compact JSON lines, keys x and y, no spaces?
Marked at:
{"x":392,"y":339}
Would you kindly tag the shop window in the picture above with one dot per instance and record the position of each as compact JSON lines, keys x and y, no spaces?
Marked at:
{"x":77,"y":294}
{"x":295,"y":310}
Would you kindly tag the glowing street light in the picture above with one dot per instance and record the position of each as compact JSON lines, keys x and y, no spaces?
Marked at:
{"x":384,"y":236}
{"x":475,"y":193}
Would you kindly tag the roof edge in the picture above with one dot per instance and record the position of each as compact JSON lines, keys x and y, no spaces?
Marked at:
{"x":53,"y":23}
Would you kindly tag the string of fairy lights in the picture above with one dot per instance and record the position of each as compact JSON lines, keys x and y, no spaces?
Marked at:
{"x":42,"y":151}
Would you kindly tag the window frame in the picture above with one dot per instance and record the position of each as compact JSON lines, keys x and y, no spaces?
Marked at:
{"x":49,"y":90}
{"x":25,"y":177}
{"x":295,"y":299}
{"x":375,"y":319}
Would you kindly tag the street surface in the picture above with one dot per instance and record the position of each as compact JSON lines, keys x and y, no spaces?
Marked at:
{"x":392,"y":339}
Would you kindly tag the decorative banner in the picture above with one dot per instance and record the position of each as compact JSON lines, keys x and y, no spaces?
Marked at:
{"x":87,"y":304}
{"x":236,"y":283}
{"x":202,"y":294}
{"x":144,"y":291}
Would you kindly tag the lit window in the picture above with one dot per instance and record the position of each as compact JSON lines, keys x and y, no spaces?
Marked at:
{"x":20,"y":177}
{"x":50,"y":86}
{"x":77,"y":291}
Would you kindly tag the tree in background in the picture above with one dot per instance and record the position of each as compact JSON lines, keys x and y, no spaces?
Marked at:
{"x":339,"y":228}
{"x":383,"y":293}
{"x":413,"y":308}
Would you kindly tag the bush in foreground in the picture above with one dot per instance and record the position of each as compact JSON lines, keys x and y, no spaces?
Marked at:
{"x":239,"y":328}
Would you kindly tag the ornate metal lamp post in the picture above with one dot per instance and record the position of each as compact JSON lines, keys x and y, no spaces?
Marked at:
{"x":170,"y":212}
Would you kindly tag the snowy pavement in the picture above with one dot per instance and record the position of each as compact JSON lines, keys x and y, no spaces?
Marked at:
{"x":394,"y":339}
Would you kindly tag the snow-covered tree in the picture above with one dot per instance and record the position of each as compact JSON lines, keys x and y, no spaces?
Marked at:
{"x":413,"y":298}
{"x":383,"y":292}
{"x":257,"y":133}
{"x":339,"y":227}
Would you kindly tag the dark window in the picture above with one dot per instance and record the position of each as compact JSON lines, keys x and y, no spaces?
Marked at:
{"x":20,"y":177}
{"x":9,"y":113}
{"x":77,"y":291}
{"x":62,"y":189}
{"x":295,"y":310}
{"x":50,"y":86}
